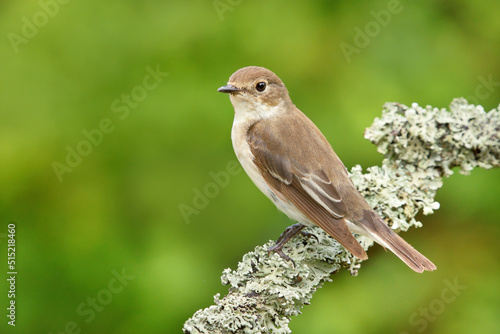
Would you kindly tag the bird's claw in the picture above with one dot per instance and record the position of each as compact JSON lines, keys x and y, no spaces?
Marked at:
{"x":277,"y":249}
{"x":309,"y":235}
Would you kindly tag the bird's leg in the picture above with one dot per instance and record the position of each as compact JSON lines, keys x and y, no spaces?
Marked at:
{"x":288,"y":234}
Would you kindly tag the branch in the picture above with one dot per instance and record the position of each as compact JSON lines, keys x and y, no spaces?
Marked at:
{"x":421,"y":146}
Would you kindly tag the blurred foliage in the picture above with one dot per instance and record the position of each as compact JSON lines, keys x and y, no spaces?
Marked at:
{"x":119,"y":208}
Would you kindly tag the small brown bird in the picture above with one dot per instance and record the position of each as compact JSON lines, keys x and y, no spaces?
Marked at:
{"x":292,"y":163}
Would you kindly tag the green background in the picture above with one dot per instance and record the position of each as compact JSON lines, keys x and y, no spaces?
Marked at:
{"x":119,"y":208}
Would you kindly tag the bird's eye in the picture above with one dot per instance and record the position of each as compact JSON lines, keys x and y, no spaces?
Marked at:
{"x":260,"y":86}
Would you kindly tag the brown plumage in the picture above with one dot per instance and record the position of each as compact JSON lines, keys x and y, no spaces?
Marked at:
{"x":291,"y":161}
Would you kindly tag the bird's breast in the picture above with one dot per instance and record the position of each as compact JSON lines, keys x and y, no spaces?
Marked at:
{"x":246,"y":159}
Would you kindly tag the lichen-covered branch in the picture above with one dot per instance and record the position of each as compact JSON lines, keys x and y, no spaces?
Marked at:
{"x":420,"y":145}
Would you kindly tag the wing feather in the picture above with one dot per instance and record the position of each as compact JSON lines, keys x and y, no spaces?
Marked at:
{"x":307,"y":188}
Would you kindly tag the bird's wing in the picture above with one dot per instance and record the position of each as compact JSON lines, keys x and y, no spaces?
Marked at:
{"x":305,"y":184}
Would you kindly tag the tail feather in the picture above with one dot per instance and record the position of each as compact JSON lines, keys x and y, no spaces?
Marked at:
{"x":405,"y":252}
{"x":385,"y":236}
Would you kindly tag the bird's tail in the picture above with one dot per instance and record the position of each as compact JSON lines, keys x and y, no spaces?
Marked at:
{"x":385,"y":236}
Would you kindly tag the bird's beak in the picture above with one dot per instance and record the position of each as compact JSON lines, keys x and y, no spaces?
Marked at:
{"x":229,"y":89}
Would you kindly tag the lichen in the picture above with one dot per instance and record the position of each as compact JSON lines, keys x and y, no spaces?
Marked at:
{"x":421,"y":146}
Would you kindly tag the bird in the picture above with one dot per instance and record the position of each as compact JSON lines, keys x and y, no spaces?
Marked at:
{"x":293,"y":164}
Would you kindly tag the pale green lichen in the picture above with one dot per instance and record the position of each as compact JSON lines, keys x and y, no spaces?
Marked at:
{"x":421,"y":146}
{"x":265,"y":291}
